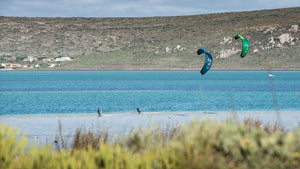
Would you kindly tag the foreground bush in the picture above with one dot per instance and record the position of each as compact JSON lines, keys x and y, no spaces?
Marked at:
{"x":207,"y":144}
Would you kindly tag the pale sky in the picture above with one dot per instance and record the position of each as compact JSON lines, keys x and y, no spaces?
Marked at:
{"x":133,"y":8}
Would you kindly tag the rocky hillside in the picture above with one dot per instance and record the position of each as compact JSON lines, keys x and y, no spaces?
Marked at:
{"x":164,"y":43}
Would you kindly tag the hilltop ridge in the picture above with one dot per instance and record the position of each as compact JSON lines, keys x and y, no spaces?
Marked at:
{"x":153,"y":43}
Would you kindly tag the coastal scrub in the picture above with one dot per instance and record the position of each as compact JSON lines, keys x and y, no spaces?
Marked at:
{"x":205,"y":144}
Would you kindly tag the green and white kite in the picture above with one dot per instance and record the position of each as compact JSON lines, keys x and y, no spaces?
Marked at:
{"x":246,"y":45}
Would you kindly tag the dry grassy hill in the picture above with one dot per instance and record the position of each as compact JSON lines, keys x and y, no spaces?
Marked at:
{"x":160,"y":43}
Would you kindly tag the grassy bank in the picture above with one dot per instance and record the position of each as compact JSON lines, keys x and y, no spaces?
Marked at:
{"x":206,"y":144}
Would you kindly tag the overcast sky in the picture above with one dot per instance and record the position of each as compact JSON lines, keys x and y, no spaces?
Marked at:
{"x":133,"y":8}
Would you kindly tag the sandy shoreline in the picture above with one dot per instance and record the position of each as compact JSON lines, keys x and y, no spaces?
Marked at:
{"x":44,"y":128}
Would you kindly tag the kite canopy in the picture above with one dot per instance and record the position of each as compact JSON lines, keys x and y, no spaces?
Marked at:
{"x":246,"y":45}
{"x":208,"y":60}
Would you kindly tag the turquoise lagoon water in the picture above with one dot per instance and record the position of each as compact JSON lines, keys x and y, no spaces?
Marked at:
{"x":65,"y":92}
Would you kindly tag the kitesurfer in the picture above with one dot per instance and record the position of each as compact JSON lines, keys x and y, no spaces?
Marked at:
{"x":138,"y":110}
{"x":98,"y":111}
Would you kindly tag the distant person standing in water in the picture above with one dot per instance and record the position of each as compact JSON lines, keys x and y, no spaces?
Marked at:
{"x":138,"y":110}
{"x":98,"y":111}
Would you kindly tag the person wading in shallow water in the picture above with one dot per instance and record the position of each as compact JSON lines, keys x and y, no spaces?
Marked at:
{"x":98,"y":111}
{"x":138,"y":110}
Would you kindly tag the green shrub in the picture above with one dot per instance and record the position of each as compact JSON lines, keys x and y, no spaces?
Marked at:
{"x":206,"y":144}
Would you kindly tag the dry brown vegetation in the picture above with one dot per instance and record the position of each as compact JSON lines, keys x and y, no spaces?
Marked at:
{"x":156,"y":42}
